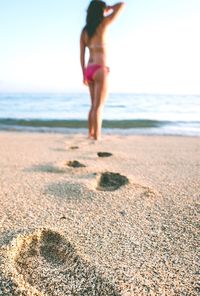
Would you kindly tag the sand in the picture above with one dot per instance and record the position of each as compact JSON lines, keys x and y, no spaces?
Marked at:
{"x":126,"y":224}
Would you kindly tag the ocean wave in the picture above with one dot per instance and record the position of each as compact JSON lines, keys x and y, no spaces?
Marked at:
{"x":118,"y":124}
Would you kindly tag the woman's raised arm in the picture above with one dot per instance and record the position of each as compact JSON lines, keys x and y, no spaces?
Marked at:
{"x":116,"y":8}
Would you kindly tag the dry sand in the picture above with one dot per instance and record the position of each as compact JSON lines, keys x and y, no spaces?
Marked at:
{"x":68,"y":230}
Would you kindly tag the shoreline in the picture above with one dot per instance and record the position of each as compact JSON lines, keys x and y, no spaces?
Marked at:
{"x":105,"y":132}
{"x":182,"y":130}
{"x":138,"y":239}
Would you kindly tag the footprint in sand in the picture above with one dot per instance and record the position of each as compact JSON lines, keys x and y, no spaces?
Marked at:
{"x":46,"y":168}
{"x":104,"y":154}
{"x":74,"y":147}
{"x":111,"y":181}
{"x":75,"y":164}
{"x":45,"y":262}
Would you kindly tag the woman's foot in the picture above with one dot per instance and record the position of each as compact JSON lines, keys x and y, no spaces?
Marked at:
{"x":97,"y":138}
{"x":91,"y":137}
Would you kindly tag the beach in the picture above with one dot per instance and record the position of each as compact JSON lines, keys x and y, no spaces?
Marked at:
{"x":123,"y":224}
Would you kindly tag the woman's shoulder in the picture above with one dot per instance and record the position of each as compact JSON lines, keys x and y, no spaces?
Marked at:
{"x":83,"y":32}
{"x":84,"y":36}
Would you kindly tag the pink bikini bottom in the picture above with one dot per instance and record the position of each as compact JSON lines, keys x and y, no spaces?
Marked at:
{"x":91,"y":69}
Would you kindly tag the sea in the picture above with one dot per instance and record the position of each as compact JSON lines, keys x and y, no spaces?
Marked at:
{"x":147,"y":114}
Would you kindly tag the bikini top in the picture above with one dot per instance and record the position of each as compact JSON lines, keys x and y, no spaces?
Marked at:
{"x":92,"y":46}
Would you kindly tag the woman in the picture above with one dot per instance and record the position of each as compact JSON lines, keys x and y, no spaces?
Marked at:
{"x":95,"y":74}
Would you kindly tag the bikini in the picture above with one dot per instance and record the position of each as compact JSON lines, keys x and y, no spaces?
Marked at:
{"x":91,"y":69}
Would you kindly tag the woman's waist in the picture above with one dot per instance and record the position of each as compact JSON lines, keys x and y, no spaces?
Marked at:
{"x":92,"y":63}
{"x":98,"y":60}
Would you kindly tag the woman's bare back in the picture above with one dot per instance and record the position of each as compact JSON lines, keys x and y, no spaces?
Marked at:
{"x":97,"y":45}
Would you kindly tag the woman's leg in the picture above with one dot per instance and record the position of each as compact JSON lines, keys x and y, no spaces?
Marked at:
{"x":100,"y":94}
{"x":90,"y":122}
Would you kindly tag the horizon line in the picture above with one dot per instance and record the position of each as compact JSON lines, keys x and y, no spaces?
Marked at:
{"x":85,"y":92}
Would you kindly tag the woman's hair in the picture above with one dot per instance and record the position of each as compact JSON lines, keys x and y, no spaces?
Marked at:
{"x":95,"y":15}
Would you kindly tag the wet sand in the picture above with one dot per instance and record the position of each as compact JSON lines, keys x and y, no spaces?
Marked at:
{"x":76,"y":223}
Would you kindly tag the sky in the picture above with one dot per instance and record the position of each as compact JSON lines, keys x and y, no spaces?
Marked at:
{"x":154,"y":46}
